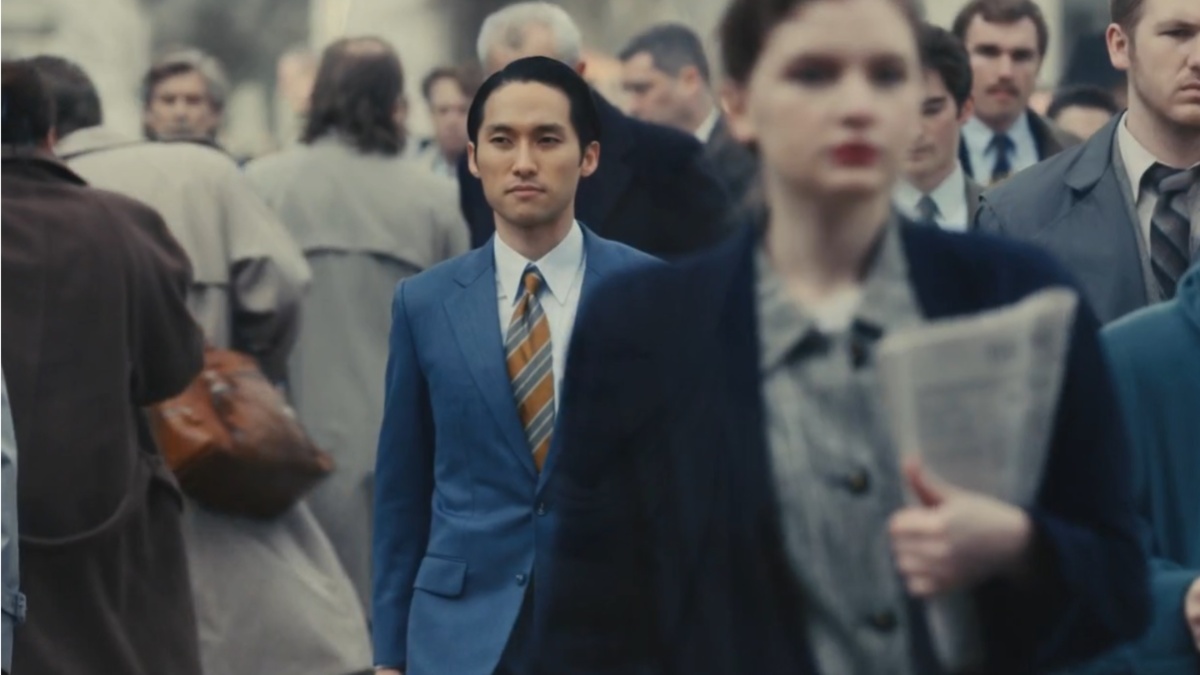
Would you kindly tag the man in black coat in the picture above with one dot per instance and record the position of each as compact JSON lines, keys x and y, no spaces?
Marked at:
{"x":654,"y":189}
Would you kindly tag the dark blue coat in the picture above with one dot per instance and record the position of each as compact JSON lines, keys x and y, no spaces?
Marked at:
{"x":667,"y":554}
{"x":654,"y":190}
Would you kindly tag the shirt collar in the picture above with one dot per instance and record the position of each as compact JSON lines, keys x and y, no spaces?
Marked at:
{"x":980,"y":135}
{"x":1138,"y":160}
{"x":950,"y":195}
{"x":705,"y":131}
{"x":559,"y":267}
{"x":887,"y":302}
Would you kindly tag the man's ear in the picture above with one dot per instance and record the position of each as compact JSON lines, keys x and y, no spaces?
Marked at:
{"x":1119,"y":45}
{"x":735,"y":104}
{"x":581,"y":68}
{"x":591,"y":159}
{"x":968,"y":111}
{"x":471,"y":163}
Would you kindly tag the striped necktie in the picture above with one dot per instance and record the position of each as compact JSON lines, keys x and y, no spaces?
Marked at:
{"x":531,"y":366}
{"x":1170,"y":231}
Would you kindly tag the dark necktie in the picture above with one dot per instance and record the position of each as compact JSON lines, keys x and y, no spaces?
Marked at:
{"x":531,"y":366}
{"x":1003,"y":146}
{"x":927,"y":211}
{"x":1170,"y":229}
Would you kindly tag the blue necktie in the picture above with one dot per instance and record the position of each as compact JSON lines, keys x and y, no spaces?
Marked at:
{"x":1003,"y":146}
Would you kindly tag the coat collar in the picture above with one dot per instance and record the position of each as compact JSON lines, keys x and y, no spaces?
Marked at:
{"x":1094,"y":159}
{"x":93,"y":139}
{"x":36,"y":163}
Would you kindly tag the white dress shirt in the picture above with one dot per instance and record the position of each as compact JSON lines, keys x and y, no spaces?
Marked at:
{"x":1138,"y":161}
{"x":951,"y":199}
{"x":562,"y":268}
{"x":705,"y":131}
{"x":978,"y":137}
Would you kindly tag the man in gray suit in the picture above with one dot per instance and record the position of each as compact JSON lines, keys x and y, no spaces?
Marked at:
{"x":934,"y":189}
{"x":1122,"y":211}
{"x":666,"y":75}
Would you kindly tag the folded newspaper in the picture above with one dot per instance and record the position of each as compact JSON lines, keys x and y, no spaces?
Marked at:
{"x":975,"y":398}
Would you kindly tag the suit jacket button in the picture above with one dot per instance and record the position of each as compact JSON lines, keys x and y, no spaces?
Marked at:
{"x":884,"y":622}
{"x":858,"y":482}
{"x":521,"y":579}
{"x":541,"y":509}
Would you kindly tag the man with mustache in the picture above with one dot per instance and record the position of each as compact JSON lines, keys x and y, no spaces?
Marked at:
{"x":934,"y":189}
{"x":478,"y":348}
{"x":1007,"y":41}
{"x":1122,"y":211}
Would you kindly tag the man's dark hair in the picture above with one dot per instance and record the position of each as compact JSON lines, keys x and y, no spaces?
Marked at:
{"x":358,"y":86}
{"x":748,"y":23}
{"x":585,"y":118}
{"x":945,"y":55}
{"x":181,"y":63}
{"x":76,"y":102}
{"x":672,"y":47}
{"x":28,"y":109}
{"x":1126,"y":13}
{"x":1003,"y":12}
{"x":467,"y":81}
{"x":1082,"y":96}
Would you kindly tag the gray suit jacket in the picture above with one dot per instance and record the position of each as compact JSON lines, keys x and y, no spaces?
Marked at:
{"x":1079,"y":206}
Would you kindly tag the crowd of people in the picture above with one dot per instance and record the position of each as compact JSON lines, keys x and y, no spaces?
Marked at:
{"x":705,"y":481}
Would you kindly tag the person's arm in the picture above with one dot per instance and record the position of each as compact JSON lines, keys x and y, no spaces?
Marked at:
{"x":403,"y":489}
{"x":596,"y":588}
{"x":14,"y":601}
{"x":268,"y":275}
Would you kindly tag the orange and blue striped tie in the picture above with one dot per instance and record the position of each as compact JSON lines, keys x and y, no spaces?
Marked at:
{"x":531,"y":366}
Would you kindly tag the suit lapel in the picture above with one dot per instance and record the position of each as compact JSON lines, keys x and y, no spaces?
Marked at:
{"x":472,"y":313}
{"x":602,"y":191}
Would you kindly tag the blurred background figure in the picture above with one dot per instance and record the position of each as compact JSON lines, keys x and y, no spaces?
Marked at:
{"x":1007,"y":41}
{"x":666,"y":77}
{"x":261,"y":587}
{"x":447,"y":92}
{"x":365,"y":218}
{"x":933,"y":188}
{"x":183,"y":98}
{"x":14,"y":600}
{"x":1082,"y":110}
{"x":95,"y":327}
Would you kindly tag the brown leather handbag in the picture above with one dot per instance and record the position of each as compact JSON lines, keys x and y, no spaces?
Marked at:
{"x":233,"y":441}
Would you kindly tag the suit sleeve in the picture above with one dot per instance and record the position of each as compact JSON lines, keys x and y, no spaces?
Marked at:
{"x":1089,"y":592}
{"x":403,"y":489}
{"x":597,"y":610}
{"x":168,"y":346}
{"x":267,"y":277}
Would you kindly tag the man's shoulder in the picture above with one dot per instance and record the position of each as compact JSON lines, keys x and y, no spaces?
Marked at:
{"x":622,"y":256}
{"x":429,"y":287}
{"x":659,"y":147}
{"x":1030,"y":194}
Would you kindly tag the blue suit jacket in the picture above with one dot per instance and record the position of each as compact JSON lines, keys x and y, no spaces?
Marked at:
{"x":1155,"y":356}
{"x":459,"y":505}
{"x":667,"y":555}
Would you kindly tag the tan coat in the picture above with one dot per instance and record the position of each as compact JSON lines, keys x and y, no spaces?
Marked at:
{"x":271,"y":596}
{"x":95,"y":325}
{"x":364,"y":222}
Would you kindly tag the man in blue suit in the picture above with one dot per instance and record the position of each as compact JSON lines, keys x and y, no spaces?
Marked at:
{"x":478,"y":347}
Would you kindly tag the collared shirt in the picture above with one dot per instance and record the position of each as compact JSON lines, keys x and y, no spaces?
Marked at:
{"x":705,"y":131}
{"x":14,"y":601}
{"x":978,"y":137}
{"x":562,"y":268}
{"x":950,"y":197}
{"x":834,"y":467}
{"x":1138,"y":160}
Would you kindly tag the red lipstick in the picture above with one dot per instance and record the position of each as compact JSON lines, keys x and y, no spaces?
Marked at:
{"x":856,"y":154}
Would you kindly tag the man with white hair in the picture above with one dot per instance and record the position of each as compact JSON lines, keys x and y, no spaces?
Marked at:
{"x":654,"y":190}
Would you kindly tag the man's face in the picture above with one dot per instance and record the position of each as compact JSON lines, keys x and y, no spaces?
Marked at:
{"x":448,"y":107}
{"x":1005,"y":62}
{"x":180,"y":108}
{"x":1082,"y":121}
{"x":528,"y":156}
{"x":1163,"y":61}
{"x":935,"y":152}
{"x":655,"y":96}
